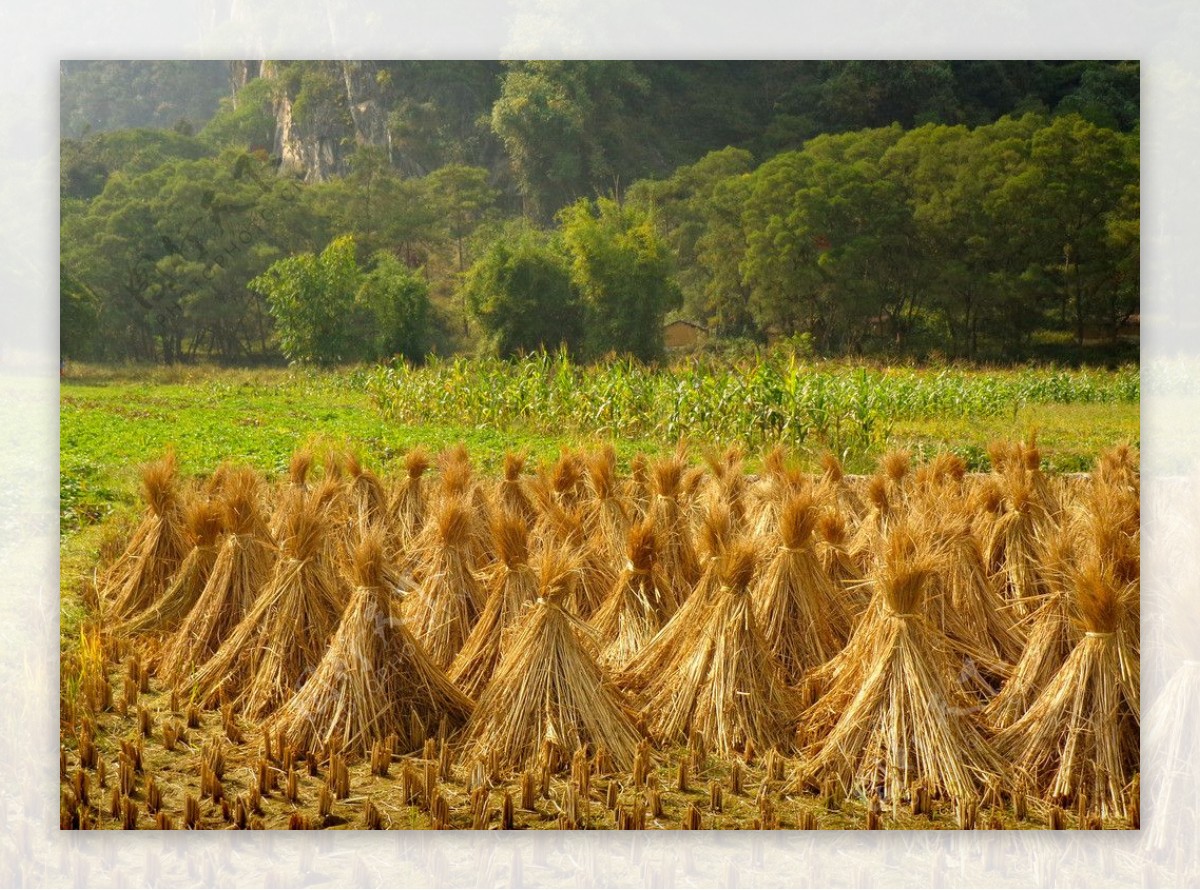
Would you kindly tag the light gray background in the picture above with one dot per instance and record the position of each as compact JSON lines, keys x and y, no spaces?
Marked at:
{"x":1162,"y":33}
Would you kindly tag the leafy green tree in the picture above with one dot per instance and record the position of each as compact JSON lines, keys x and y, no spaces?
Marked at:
{"x":564,"y":125}
{"x":85,"y":164}
{"x":623,"y":271}
{"x":78,"y":316}
{"x":698,"y":209}
{"x":381,"y":210}
{"x":396,"y":301}
{"x":168,"y":254}
{"x":520,"y":291}
{"x":245,"y":119}
{"x":1081,"y":192}
{"x":111,"y":95}
{"x":830,"y":245}
{"x":312,"y":299}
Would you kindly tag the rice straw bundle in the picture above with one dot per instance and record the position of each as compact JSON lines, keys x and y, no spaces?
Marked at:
{"x":1080,"y":736}
{"x":833,"y":489}
{"x":298,"y":469}
{"x":1031,"y":464}
{"x":803,"y":617}
{"x":409,"y":503}
{"x":720,"y":678}
{"x":549,"y":689}
{"x":873,"y":529}
{"x":778,"y":482}
{"x":373,"y":677}
{"x":455,"y":481}
{"x":894,"y":468}
{"x":445,"y":606}
{"x":203,"y":527}
{"x":834,"y":552}
{"x":334,"y":464}
{"x":677,"y":556}
{"x":610,"y":519}
{"x":511,"y":496}
{"x":1108,"y":523}
{"x":691,"y":495}
{"x":1118,"y":467}
{"x":728,"y":485}
{"x":568,"y":530}
{"x":940,"y":481}
{"x":1050,"y":639}
{"x":640,"y":603}
{"x":893,"y":713}
{"x":567,"y":479}
{"x":716,"y":534}
{"x":367,"y":495}
{"x":964,"y":604}
{"x":280,"y":641}
{"x":242,"y":568}
{"x":140,"y":575}
{"x":638,"y":487}
{"x":1015,"y":544}
{"x":512,"y":586}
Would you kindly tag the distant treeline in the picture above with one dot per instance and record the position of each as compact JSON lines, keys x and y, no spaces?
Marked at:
{"x":890,"y":208}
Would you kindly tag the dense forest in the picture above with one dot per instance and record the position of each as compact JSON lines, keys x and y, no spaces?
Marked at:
{"x":341,"y":211}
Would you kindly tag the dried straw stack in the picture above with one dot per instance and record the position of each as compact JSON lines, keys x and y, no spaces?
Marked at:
{"x":803,"y":617}
{"x":409,"y":504}
{"x":1016,"y":541}
{"x":563,"y":529}
{"x":868,"y":537}
{"x":203,"y":528}
{"x":609,"y":519}
{"x":778,"y":482}
{"x":241,"y":570}
{"x":513,"y":587}
{"x":640,"y":603}
{"x":445,"y":606}
{"x":893,"y":713}
{"x":549,"y":690}
{"x":511,"y":496}
{"x":964,"y":605}
{"x":281,"y":640}
{"x":140,"y":575}
{"x":716,"y":534}
{"x":833,"y":548}
{"x":1080,"y":736}
{"x":372,"y":679}
{"x":677,"y":556}
{"x":716,"y":675}
{"x":368,"y":497}
{"x":297,"y":489}
{"x":1049,"y":639}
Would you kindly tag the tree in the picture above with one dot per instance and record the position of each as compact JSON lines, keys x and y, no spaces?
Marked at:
{"x":312,"y":299}
{"x":245,"y":119}
{"x":624,"y":274}
{"x":463,"y":199}
{"x":78,"y":311}
{"x":699,"y":209}
{"x":520,"y":291}
{"x":830,"y":245}
{"x":396,"y":302}
{"x":564,"y":124}
{"x":1082,"y":194}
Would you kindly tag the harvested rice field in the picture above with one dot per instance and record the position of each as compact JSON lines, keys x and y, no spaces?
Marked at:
{"x":690,"y":638}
